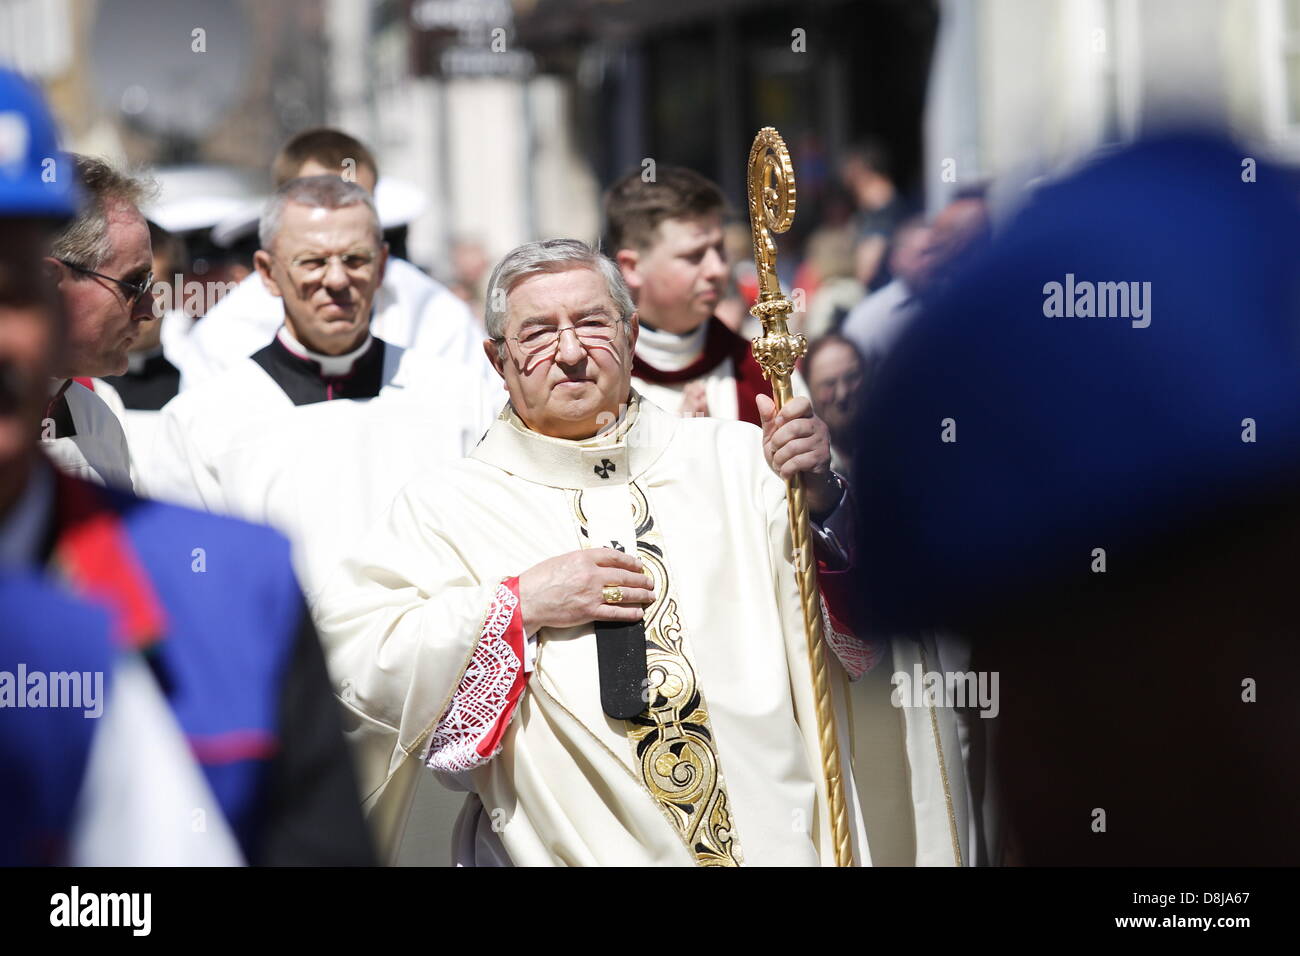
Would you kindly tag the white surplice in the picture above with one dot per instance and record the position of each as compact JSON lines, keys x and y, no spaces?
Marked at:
{"x":98,"y":450}
{"x":427,"y":652}
{"x":411,"y":311}
{"x":320,"y":473}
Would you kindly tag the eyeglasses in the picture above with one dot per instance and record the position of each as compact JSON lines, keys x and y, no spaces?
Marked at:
{"x":133,"y":292}
{"x":309,"y":268}
{"x":541,"y":341}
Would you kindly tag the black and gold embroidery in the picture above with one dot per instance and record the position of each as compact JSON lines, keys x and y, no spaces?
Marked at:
{"x":672,"y":738}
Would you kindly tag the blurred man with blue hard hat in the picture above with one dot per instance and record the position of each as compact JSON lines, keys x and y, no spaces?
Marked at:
{"x":99,"y":263}
{"x":223,"y":742}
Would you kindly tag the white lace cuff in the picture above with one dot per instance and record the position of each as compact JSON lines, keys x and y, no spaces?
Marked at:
{"x":470,"y":733}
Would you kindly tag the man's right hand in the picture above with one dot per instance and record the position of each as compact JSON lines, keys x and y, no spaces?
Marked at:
{"x":565,"y":591}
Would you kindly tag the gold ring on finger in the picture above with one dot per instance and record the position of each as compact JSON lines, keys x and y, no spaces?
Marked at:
{"x":612,"y":594}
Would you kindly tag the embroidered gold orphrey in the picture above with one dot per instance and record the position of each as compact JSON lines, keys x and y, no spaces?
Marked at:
{"x":672,"y":738}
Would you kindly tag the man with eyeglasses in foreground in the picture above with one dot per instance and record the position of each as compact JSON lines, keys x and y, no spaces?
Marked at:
{"x":100,"y":264}
{"x":316,"y":432}
{"x":592,"y":623}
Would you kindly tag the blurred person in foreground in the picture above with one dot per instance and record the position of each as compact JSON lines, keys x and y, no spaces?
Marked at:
{"x":667,"y":237}
{"x":411,"y":310}
{"x":95,"y":769}
{"x":317,"y":431}
{"x":1084,"y":458}
{"x":470,"y":632}
{"x":196,"y":622}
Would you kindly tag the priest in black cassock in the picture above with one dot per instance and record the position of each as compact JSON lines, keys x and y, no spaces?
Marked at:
{"x":315,"y":433}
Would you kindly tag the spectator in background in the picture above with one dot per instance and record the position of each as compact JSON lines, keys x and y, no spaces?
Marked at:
{"x":836,"y":372}
{"x":961,"y":226}
{"x":865,"y":172}
{"x":831,"y":289}
{"x":469,"y":271}
{"x":874,"y":322}
{"x":742,"y":285}
{"x":922,"y":259}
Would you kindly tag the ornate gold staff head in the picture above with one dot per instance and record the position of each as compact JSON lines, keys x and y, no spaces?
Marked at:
{"x":771,"y":211}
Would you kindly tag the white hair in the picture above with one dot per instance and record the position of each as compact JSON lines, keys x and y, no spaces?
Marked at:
{"x":549,"y":255}
{"x":319,"y":192}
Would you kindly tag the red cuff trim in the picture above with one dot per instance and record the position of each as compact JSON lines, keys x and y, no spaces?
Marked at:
{"x":855,"y":656}
{"x":471,"y":732}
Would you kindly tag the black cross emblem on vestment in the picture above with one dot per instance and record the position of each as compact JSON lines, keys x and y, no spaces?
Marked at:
{"x":604,"y":468}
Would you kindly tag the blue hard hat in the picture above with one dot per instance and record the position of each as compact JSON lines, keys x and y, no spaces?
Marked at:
{"x":35,"y":178}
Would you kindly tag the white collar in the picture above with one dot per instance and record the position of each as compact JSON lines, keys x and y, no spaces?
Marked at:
{"x":615,"y":456}
{"x":331,"y":366}
{"x":669,"y":352}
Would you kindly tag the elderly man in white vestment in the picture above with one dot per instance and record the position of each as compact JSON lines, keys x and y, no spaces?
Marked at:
{"x":463,"y":635}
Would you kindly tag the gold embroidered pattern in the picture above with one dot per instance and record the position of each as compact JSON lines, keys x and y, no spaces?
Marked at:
{"x":672,"y":738}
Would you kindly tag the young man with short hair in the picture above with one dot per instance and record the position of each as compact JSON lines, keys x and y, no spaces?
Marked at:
{"x":666,"y":236}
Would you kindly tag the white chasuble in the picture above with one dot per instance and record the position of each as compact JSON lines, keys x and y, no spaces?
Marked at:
{"x":428,"y":653}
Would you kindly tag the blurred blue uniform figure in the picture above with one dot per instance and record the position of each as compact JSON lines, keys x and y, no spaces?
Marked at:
{"x":98,"y":773}
{"x":1106,"y":506}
